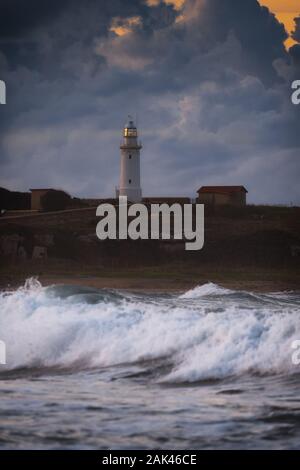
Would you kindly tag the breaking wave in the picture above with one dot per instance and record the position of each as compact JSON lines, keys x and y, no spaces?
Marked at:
{"x":206,"y":289}
{"x":207,"y":333}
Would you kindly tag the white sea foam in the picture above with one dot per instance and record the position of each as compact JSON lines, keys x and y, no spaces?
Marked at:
{"x":206,"y":289}
{"x":202,"y":337}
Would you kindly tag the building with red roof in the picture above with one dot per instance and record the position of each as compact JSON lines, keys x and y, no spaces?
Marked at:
{"x":223,"y":195}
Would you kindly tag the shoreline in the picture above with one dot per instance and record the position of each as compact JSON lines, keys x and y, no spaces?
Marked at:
{"x":150,"y":285}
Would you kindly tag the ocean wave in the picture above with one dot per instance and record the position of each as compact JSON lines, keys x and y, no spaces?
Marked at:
{"x":200,"y":335}
{"x":206,"y":289}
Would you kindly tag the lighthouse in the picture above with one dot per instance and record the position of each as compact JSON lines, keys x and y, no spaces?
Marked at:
{"x":130,"y":177}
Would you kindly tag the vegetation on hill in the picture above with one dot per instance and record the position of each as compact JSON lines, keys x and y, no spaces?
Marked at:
{"x":14,"y":200}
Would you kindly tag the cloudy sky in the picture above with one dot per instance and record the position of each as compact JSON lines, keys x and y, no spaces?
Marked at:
{"x":209,"y":82}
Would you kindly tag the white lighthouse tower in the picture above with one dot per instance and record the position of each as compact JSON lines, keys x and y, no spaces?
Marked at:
{"x":130,"y":177}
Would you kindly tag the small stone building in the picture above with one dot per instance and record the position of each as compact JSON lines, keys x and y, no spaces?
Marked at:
{"x":36,"y":195}
{"x":223,"y":195}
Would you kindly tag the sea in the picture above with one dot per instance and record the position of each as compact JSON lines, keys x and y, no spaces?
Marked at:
{"x":210,"y":368}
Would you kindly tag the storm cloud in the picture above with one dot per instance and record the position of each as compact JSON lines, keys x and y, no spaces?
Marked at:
{"x":209,"y":82}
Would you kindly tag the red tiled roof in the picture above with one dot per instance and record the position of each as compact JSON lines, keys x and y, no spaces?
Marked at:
{"x":221,"y":189}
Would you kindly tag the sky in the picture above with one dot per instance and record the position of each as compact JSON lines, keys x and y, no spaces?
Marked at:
{"x":208,"y":81}
{"x":285,"y":11}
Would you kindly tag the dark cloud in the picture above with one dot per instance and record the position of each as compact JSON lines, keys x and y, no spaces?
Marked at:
{"x":295,"y":56}
{"x":210,"y":84}
{"x":296,"y":33}
{"x":19,"y":17}
{"x":260,"y":35}
{"x":295,"y":50}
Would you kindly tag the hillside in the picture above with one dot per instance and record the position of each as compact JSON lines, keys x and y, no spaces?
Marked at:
{"x":257,"y":244}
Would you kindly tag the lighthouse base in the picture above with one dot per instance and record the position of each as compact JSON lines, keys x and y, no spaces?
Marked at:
{"x":132,"y":194}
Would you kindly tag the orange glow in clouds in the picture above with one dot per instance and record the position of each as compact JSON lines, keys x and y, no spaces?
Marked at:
{"x":285,"y":11}
{"x":176,"y":3}
{"x":121,"y":26}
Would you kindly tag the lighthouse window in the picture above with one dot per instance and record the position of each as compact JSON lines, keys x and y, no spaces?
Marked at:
{"x":129,"y":157}
{"x":130,"y":132}
{"x":129,"y":181}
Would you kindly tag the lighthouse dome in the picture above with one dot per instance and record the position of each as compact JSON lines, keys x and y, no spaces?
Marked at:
{"x":130,"y":123}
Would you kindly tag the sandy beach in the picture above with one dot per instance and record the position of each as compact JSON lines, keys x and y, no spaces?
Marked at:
{"x":158,"y":282}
